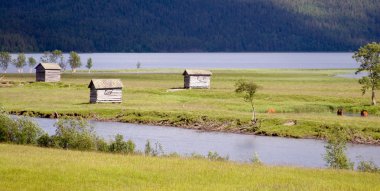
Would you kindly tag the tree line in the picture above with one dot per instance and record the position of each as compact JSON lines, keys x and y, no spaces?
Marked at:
{"x":55,"y":56}
{"x":188,"y":25}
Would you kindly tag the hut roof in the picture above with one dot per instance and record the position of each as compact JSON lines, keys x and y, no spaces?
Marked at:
{"x":49,"y":66}
{"x":197,"y":72}
{"x":106,"y":83}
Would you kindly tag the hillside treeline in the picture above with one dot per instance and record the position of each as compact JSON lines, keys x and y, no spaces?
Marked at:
{"x":188,"y":25}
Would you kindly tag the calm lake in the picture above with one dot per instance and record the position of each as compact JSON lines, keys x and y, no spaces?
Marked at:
{"x":271,"y":150}
{"x":214,"y":60}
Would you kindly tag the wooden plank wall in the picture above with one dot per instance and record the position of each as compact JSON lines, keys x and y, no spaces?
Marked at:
{"x":106,"y":95}
{"x":52,"y":75}
{"x":200,"y":82}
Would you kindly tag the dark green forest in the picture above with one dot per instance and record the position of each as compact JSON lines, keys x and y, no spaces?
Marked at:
{"x":188,"y":25}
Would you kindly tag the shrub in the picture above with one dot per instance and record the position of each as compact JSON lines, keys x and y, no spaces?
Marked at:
{"x":148,"y":148}
{"x":256,"y":160}
{"x":214,"y":156}
{"x":7,"y":128}
{"x":74,"y":134}
{"x":156,"y":151}
{"x":368,"y":166}
{"x":102,"y":145}
{"x":120,"y":146}
{"x":335,"y":150}
{"x":20,"y":131}
{"x":45,"y":141}
{"x":28,"y":132}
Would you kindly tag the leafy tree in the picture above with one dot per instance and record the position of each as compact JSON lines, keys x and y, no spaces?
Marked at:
{"x":5,"y":59}
{"x":31,"y":62}
{"x":55,"y":55}
{"x":62,"y":63}
{"x":74,"y":61}
{"x":45,"y":57}
{"x":248,"y":89}
{"x":335,"y":156}
{"x":89,"y":64}
{"x":369,"y":59}
{"x":20,"y":62}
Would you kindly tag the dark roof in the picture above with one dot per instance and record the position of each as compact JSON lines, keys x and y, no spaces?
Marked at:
{"x":49,"y":66}
{"x":106,"y":83}
{"x":197,"y":72}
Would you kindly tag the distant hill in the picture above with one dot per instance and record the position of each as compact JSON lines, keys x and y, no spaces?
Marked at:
{"x":188,"y":25}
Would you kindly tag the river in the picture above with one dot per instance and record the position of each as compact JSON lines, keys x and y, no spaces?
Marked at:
{"x":108,"y":61}
{"x":239,"y":147}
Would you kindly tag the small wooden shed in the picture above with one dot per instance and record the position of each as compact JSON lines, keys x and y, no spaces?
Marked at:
{"x":197,"y":79}
{"x":48,"y":72}
{"x":105,"y":90}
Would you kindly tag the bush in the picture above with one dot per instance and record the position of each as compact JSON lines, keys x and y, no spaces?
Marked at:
{"x":7,"y":128}
{"x":256,"y":160}
{"x":20,"y":131}
{"x":214,"y":156}
{"x":45,"y":141}
{"x":368,"y":166}
{"x":74,"y":134}
{"x":102,"y":145}
{"x":335,"y":150}
{"x":156,"y":151}
{"x":28,"y":132}
{"x":120,"y":146}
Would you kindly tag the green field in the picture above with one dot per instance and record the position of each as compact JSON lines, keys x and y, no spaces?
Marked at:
{"x":33,"y":168}
{"x":311,"y":97}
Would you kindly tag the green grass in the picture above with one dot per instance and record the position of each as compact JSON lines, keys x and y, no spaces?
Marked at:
{"x":33,"y":168}
{"x":309,"y":96}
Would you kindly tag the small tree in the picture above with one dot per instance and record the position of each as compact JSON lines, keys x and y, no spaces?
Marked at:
{"x":31,"y":62}
{"x":62,"y":63}
{"x":120,"y":146}
{"x":369,"y":59}
{"x":45,"y":57}
{"x":5,"y":59}
{"x":74,"y":61}
{"x":89,"y":64}
{"x":138,"y":65}
{"x":55,"y":55}
{"x":335,"y":156}
{"x":248,"y":88}
{"x":20,"y":62}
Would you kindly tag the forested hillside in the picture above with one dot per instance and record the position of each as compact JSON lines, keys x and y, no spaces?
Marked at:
{"x":188,"y":25}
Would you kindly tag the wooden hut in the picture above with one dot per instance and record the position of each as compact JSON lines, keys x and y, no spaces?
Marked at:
{"x":197,"y":79}
{"x":105,"y":90}
{"x":48,"y":72}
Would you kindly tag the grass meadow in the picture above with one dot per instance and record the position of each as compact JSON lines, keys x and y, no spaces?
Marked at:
{"x":34,"y":168}
{"x":309,"y":97}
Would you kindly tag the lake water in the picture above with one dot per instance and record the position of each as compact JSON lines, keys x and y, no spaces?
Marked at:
{"x":214,"y":60}
{"x":271,"y":150}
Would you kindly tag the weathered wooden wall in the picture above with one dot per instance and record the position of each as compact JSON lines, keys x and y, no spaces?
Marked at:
{"x":197,"y":81}
{"x":48,"y":75}
{"x":105,"y":95}
{"x":52,"y":75}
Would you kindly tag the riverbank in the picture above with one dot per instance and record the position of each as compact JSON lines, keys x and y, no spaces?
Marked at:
{"x":33,"y":168}
{"x":305,"y":102}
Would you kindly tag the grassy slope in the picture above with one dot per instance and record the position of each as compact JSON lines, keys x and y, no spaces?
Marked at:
{"x":308,"y":96}
{"x":33,"y":168}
